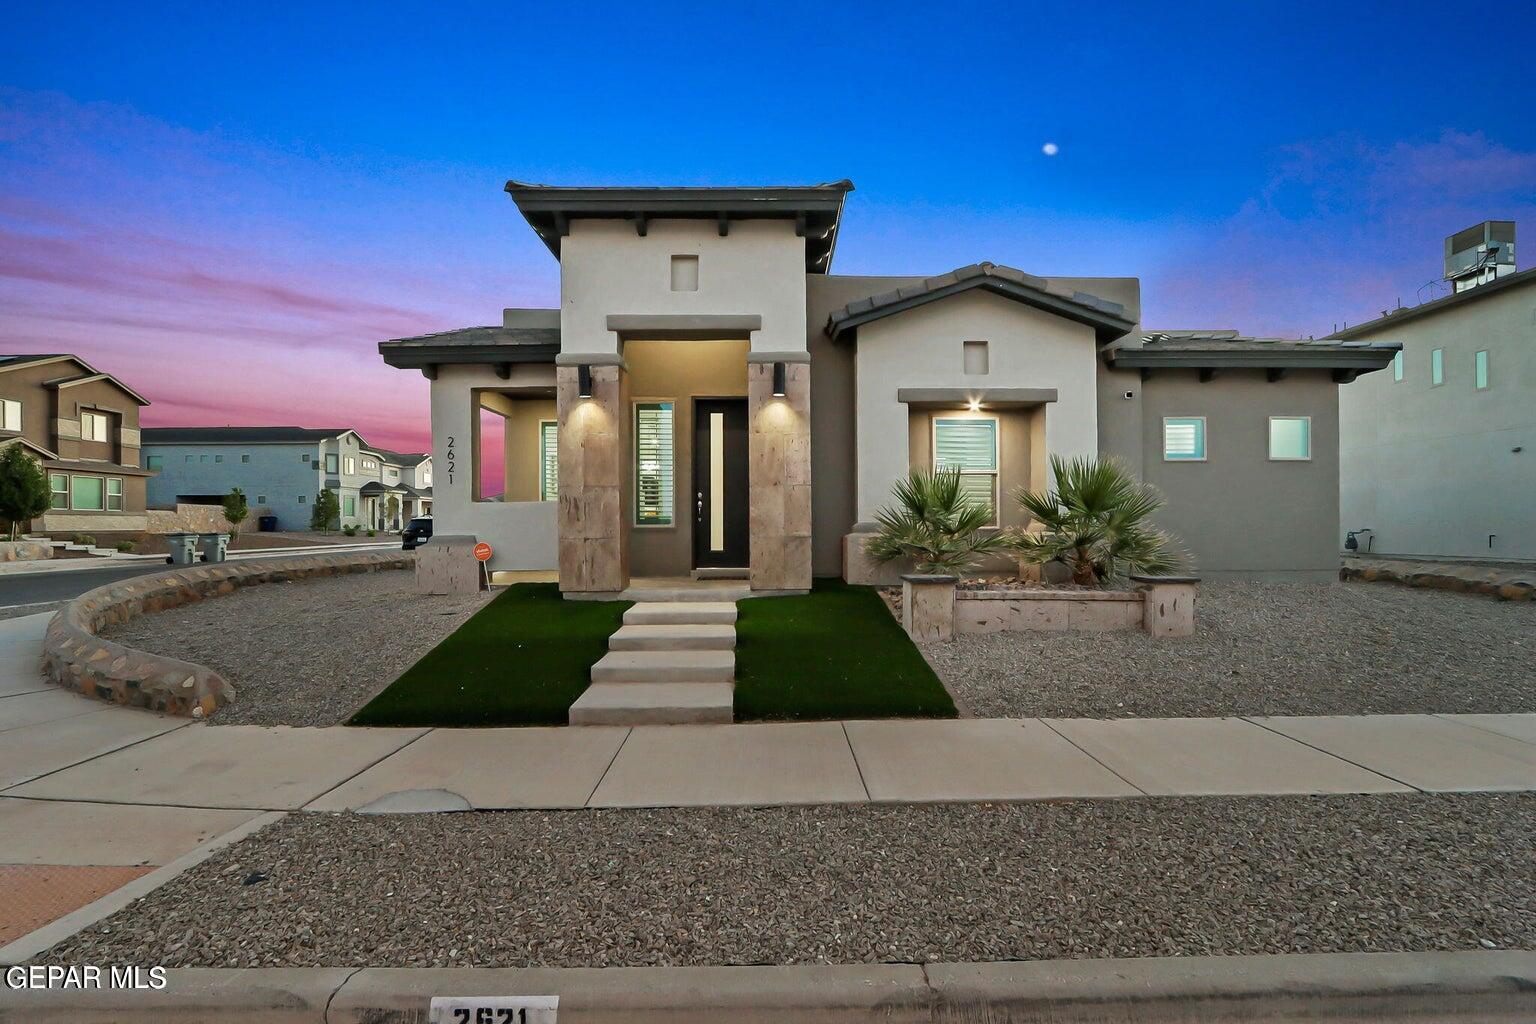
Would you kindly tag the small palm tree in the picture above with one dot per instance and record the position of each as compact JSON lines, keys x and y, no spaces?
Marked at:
{"x":935,"y":523}
{"x":1097,"y":523}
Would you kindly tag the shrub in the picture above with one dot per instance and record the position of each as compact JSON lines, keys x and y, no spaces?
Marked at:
{"x":1097,"y":523}
{"x":83,"y":538}
{"x":372,"y":532}
{"x":935,"y":523}
{"x":350,"y":529}
{"x":125,"y":546}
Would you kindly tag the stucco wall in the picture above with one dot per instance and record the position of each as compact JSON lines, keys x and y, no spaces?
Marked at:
{"x":522,"y":535}
{"x":521,"y":452}
{"x":1432,"y":470}
{"x":1238,"y":513}
{"x":923,"y":348}
{"x":606,"y":268}
{"x":277,"y":472}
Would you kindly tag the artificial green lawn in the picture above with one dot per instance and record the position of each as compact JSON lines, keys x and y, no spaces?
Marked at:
{"x":837,"y":652}
{"x":523,"y":659}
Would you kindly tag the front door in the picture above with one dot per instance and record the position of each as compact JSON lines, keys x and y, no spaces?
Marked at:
{"x":720,"y":483}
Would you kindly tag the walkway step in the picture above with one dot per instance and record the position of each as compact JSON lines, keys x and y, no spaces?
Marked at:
{"x":696,"y":593}
{"x":653,"y":704}
{"x":665,"y":667}
{"x":688,"y":637}
{"x":680,"y":613}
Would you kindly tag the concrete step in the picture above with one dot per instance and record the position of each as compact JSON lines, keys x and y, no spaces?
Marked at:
{"x":680,"y":613}
{"x":669,"y":637}
{"x":653,"y":704}
{"x":665,"y":667}
{"x":711,"y":573}
{"x":709,"y":594}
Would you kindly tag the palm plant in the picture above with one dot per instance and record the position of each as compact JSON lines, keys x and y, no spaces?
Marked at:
{"x":1097,"y":523}
{"x":935,"y":523}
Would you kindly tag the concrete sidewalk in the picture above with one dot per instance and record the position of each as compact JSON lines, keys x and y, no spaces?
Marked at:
{"x":1378,"y":987}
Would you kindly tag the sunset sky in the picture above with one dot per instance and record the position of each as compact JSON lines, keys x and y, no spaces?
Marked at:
{"x":230,"y":207}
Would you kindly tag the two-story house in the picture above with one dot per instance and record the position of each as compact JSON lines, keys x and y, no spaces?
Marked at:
{"x":83,"y":426}
{"x":283,"y":469}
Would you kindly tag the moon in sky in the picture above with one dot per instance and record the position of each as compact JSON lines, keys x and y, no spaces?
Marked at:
{"x":1050,"y":149}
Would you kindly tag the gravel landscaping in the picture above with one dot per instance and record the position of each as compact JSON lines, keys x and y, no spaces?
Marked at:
{"x":308,"y":652}
{"x":1123,"y":878}
{"x":1265,"y":649}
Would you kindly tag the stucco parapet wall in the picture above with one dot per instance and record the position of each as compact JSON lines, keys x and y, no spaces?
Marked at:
{"x":75,"y":657}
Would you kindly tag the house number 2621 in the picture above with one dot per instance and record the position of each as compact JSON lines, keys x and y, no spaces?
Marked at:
{"x":451,"y":455}
{"x":494,"y":1009}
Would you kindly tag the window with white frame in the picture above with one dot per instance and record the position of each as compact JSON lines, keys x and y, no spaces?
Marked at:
{"x":549,"y":460}
{"x":370,"y":464}
{"x":10,"y":415}
{"x":1480,"y":370}
{"x":653,"y":464}
{"x":93,"y":426}
{"x":349,"y":506}
{"x":1437,"y":367}
{"x":969,"y":444}
{"x":1397,"y":366}
{"x":351,"y":464}
{"x":330,"y":462}
{"x":1184,"y":438}
{"x":58,"y":484}
{"x":1290,"y":438}
{"x":114,"y":494}
{"x":86,"y":493}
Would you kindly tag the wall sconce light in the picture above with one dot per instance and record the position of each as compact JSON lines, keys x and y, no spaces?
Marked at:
{"x":975,"y":404}
{"x":584,"y":381}
{"x":779,"y":375}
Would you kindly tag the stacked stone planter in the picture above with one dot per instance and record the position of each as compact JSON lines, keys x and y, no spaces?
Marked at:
{"x":76,"y":658}
{"x":932,"y":608}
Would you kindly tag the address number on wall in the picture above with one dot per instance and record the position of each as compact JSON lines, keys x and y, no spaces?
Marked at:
{"x":494,"y":1009}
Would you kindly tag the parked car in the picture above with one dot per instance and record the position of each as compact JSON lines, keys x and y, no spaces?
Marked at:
{"x":417,"y":532}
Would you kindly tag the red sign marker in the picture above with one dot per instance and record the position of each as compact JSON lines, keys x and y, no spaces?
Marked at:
{"x":483,"y":551}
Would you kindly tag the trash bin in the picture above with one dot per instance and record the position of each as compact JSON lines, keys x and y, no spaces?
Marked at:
{"x":183,"y":548}
{"x":267,"y":524}
{"x":214,"y":546}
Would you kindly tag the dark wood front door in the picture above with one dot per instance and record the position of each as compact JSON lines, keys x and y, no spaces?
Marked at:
{"x":720,"y":496}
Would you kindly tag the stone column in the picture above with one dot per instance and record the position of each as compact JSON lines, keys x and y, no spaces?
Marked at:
{"x":928,"y":606}
{"x":1169,"y":608}
{"x":594,"y":544}
{"x":779,"y":476}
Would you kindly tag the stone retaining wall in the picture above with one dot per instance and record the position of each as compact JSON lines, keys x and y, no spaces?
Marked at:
{"x":1440,"y":577}
{"x":24,"y":550}
{"x":185,"y":518}
{"x":76,"y":658}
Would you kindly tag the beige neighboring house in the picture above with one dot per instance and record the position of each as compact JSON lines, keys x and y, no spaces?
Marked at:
{"x":1439,"y":455}
{"x":83,"y":425}
{"x":709,"y":399}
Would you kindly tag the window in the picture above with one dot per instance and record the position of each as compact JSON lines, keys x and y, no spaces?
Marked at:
{"x":202,"y":458}
{"x":426,"y":479}
{"x":85,"y":493}
{"x":1397,"y":366}
{"x":370,"y":464}
{"x":1437,"y":367}
{"x":304,"y":457}
{"x":1183,"y":438}
{"x":93,"y":426}
{"x":1480,"y":370}
{"x":301,"y":499}
{"x":351,"y":464}
{"x":330,"y":462}
{"x":549,"y":460}
{"x":975,"y":358}
{"x":58,"y":483}
{"x":349,"y":506}
{"x":653,"y":464}
{"x":392,"y":473}
{"x":685,"y":273}
{"x":261,"y":499}
{"x":245,"y":458}
{"x":218,"y":458}
{"x":10,"y":415}
{"x":1290,"y":438}
{"x":114,"y":494}
{"x":189,"y":458}
{"x":154,"y":461}
{"x":969,"y":445}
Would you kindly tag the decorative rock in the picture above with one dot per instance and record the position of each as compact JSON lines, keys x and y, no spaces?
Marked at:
{"x":76,"y":658}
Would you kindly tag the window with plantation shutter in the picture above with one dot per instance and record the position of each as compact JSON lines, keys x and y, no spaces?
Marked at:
{"x":1184,"y":438}
{"x":549,"y":460}
{"x":653,"y":464}
{"x":969,"y":445}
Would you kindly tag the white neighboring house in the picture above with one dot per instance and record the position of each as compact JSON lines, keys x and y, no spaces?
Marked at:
{"x":1438,"y":455}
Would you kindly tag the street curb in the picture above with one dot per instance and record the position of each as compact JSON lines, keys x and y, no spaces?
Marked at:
{"x":35,"y":943}
{"x":1483,"y":986}
{"x":123,"y":560}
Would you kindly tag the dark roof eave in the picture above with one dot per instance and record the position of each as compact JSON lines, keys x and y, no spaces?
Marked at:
{"x":416,"y":357}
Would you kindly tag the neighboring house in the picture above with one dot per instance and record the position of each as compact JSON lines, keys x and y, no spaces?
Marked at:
{"x":1439,"y":455}
{"x":84,"y":427}
{"x":708,"y":397}
{"x":282,"y":470}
